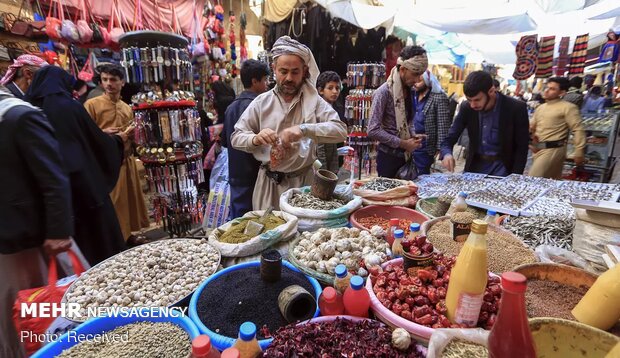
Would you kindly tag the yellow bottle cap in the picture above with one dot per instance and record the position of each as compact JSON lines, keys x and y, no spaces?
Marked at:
{"x":479,"y":227}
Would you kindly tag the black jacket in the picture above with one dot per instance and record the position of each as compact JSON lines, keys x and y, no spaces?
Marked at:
{"x":17,"y":92}
{"x":242,"y":166}
{"x":35,"y":197}
{"x":514,"y":138}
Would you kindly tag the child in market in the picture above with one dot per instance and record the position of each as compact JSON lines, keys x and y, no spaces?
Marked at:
{"x":329,"y":86}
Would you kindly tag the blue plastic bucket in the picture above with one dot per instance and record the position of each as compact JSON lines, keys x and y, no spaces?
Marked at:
{"x":105,"y":324}
{"x":222,"y":342}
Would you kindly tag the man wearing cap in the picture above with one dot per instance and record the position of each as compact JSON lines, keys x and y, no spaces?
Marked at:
{"x":391,"y":112}
{"x":19,"y":75}
{"x":289,"y":112}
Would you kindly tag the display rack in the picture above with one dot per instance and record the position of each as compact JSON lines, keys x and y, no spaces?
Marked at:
{"x":601,"y":130}
{"x":363,"y":79}
{"x":168,"y":129}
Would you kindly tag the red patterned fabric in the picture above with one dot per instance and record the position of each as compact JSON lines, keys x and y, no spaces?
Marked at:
{"x":563,"y":57}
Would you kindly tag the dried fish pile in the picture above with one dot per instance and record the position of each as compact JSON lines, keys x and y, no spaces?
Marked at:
{"x":381,"y":184}
{"x":542,"y":230}
{"x":511,"y":195}
{"x":309,"y":201}
{"x":451,"y":184}
{"x":551,"y":208}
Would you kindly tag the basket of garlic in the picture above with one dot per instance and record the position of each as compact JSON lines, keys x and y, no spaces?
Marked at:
{"x":318,"y":253}
{"x":158,"y":274}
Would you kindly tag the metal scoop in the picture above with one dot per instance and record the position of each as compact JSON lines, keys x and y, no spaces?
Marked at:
{"x":254,"y":228}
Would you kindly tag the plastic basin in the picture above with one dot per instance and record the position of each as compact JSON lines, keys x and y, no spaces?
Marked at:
{"x":105,"y":324}
{"x":421,"y":202}
{"x":222,"y":342}
{"x":560,"y":338}
{"x":386,"y":212}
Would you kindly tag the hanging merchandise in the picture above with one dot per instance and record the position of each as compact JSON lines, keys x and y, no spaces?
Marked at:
{"x":369,"y":75}
{"x":199,"y":47}
{"x":117,"y":31}
{"x":88,"y":71}
{"x":578,"y":57}
{"x":609,"y":52}
{"x":231,"y":35}
{"x":243,"y":22}
{"x":53,"y":21}
{"x":545,"y":57}
{"x":562,"y":62}
{"x":357,"y":107}
{"x":527,"y":55}
{"x":151,"y":65}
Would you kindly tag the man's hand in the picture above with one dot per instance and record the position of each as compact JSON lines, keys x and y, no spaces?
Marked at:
{"x":411,"y":144}
{"x":579,"y":161}
{"x":265,"y":137}
{"x":124,"y":136}
{"x":56,"y":246}
{"x":448,"y":162}
{"x":533,"y":146}
{"x":291,"y":135}
{"x":112,"y":130}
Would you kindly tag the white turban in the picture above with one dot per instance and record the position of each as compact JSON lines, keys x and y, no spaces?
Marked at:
{"x":287,"y":46}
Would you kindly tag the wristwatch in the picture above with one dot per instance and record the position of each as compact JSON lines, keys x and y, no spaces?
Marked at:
{"x":304,"y":129}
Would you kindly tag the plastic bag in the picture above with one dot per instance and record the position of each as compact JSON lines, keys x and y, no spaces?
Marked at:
{"x":219,"y":171}
{"x":408,"y":171}
{"x":404,"y":195}
{"x":557,"y":255}
{"x":312,"y":220}
{"x":52,"y":293}
{"x":259,"y":243}
{"x":217,"y":209}
{"x":589,"y":242}
{"x":442,"y":337}
{"x":69,"y":31}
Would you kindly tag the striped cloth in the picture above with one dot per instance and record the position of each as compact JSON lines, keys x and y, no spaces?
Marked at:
{"x":544,"y":66}
{"x":562,"y":60}
{"x":578,"y":57}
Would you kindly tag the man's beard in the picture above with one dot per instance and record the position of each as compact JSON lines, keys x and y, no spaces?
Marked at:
{"x":290,"y":89}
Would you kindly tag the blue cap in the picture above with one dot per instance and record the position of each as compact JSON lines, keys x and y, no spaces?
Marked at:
{"x":247,"y":331}
{"x":463,"y":194}
{"x":414,"y":227}
{"x":357,"y":283}
{"x":399,"y":234}
{"x":491,"y":212}
{"x":341,"y":271}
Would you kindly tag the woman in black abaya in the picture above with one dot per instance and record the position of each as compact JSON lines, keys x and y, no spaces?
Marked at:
{"x":92,"y":159}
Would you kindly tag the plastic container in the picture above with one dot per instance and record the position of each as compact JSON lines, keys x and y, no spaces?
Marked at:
{"x":231,"y":353}
{"x":491,"y":217}
{"x":222,"y":342}
{"x":386,"y":212}
{"x":511,"y":336}
{"x":600,"y":306}
{"x":330,"y":302}
{"x":468,"y":278}
{"x":202,"y":348}
{"x":247,"y":344}
{"x":397,"y":246}
{"x":458,"y":204}
{"x":342,"y":279}
{"x":391,"y":231}
{"x":100,"y":325}
{"x":356,"y":299}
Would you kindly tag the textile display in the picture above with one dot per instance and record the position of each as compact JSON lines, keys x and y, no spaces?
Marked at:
{"x":544,"y":67}
{"x":578,"y":57}
{"x":527,"y":56}
{"x":562,"y":57}
{"x":278,"y":10}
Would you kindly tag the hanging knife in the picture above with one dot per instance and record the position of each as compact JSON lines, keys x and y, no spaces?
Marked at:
{"x":125,"y":64}
{"x":160,"y":62}
{"x":167,"y":62}
{"x":144,"y":65}
{"x":154,"y":65}
{"x":137,"y":65}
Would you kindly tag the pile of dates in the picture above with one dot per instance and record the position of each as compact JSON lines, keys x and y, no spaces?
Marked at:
{"x":421,"y":298}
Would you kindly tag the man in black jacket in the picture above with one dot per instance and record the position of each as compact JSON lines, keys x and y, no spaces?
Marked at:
{"x":498,"y":128}
{"x":243,"y":167}
{"x":35,"y":207}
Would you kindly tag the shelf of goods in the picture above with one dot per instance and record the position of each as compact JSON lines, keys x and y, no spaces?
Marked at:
{"x":364,"y":79}
{"x":168,"y":129}
{"x":601,"y":130}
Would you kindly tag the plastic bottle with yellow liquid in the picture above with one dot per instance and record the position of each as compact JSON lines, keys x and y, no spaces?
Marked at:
{"x":600,"y":306}
{"x":468,"y":278}
{"x":246,"y":343}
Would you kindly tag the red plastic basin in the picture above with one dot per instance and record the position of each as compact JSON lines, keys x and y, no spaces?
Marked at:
{"x":387,"y":212}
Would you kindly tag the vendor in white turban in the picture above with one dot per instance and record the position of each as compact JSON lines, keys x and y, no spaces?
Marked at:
{"x":284,"y":117}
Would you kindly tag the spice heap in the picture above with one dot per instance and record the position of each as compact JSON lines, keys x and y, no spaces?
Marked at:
{"x":421,"y":299}
{"x":462,"y":217}
{"x":309,"y":201}
{"x":552,"y":299}
{"x":155,"y":275}
{"x":325,"y":249}
{"x":235,"y":235}
{"x":542,"y":230}
{"x":370,"y":221}
{"x":143,"y":339}
{"x":505,"y":252}
{"x":458,"y":348}
{"x":338,"y":338}
{"x":381,"y":184}
{"x":247,"y":298}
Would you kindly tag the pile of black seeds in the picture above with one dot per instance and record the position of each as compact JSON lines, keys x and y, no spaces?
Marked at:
{"x":240,"y":296}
